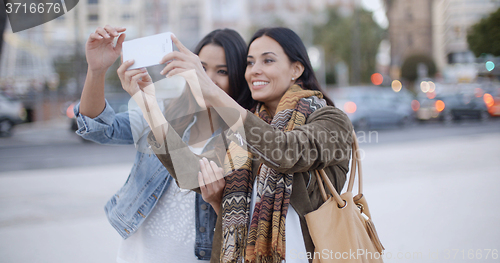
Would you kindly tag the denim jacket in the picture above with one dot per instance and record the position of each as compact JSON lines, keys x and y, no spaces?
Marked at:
{"x":148,"y":179}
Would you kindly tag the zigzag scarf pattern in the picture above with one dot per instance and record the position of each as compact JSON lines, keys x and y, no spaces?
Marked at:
{"x":265,"y":242}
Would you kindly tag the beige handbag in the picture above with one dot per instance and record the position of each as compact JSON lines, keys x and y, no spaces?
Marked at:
{"x":341,"y":228}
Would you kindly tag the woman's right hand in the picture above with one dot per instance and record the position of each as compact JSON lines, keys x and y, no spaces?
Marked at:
{"x":212,"y":183}
{"x":99,"y":49}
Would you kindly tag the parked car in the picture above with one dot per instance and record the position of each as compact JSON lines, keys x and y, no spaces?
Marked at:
{"x":373,"y":106}
{"x":450,"y":107}
{"x":12,"y":112}
{"x":428,"y":108}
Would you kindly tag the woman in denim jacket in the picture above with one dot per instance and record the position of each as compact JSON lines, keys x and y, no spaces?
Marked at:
{"x":158,"y":220}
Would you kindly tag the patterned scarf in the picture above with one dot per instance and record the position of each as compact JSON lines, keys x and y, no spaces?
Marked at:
{"x":265,"y":241}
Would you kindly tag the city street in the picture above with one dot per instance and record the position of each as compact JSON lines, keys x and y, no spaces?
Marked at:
{"x":419,"y":81}
{"x":431,"y":190}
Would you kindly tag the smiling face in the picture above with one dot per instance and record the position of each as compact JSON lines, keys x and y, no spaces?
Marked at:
{"x":269,"y":71}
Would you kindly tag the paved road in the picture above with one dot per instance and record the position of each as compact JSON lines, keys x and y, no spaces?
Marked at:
{"x":57,"y":215}
{"x":53,"y":145}
{"x":436,"y":197}
{"x":432,"y":199}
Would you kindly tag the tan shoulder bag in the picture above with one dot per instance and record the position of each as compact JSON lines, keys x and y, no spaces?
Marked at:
{"x":341,"y":228}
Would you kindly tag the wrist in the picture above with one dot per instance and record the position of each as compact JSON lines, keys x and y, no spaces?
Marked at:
{"x":96,"y":73}
{"x":94,"y":82}
{"x":222,"y":102}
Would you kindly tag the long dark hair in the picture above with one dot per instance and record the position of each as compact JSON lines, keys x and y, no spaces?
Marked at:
{"x":236,"y":60}
{"x":236,"y":57}
{"x":296,"y":52}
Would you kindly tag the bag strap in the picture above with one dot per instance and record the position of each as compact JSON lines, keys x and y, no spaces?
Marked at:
{"x":355,"y":166}
{"x":321,"y":187}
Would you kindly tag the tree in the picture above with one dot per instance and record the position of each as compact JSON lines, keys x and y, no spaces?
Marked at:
{"x":335,"y":36}
{"x":484,"y":36}
{"x":70,"y":68}
{"x":410,"y":66}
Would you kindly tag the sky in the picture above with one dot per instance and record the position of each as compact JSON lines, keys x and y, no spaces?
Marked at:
{"x":378,"y":10}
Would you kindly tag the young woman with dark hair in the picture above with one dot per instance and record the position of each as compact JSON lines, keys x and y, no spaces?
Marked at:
{"x":296,"y":52}
{"x":273,"y":152}
{"x":158,"y":221}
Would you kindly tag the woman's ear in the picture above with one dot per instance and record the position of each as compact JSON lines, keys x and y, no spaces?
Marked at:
{"x":297,"y":70}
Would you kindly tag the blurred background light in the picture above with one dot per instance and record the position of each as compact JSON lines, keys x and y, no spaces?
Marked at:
{"x":396,"y":85}
{"x":69,"y":111}
{"x":350,"y":107}
{"x":424,"y":86}
{"x":439,"y":105}
{"x":432,"y":86}
{"x":415,"y":105}
{"x":478,"y":92}
{"x":488,"y":100}
{"x":431,"y":95}
{"x":377,"y":79}
{"x":490,"y":65}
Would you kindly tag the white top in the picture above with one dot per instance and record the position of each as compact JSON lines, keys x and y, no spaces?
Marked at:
{"x":196,"y":150}
{"x":168,"y":233}
{"x":295,"y":246}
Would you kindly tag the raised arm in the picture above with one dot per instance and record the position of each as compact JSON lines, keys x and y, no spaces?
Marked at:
{"x":323,"y":141}
{"x":184,"y":62}
{"x":101,"y":54}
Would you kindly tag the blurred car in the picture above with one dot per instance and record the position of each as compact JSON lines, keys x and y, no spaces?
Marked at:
{"x":450,"y":107}
{"x":373,"y":106}
{"x":427,"y":108}
{"x":119,"y":103}
{"x":12,"y":112}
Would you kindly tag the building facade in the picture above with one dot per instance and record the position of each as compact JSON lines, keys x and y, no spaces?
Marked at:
{"x":452,"y":20}
{"x":410,"y":30}
{"x":29,"y":55}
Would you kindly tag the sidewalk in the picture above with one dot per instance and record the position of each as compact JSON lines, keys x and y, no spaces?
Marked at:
{"x":435,"y":201}
{"x":57,"y":215}
{"x":426,"y":197}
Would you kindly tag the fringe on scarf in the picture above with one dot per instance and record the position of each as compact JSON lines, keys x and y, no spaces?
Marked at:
{"x":238,"y":237}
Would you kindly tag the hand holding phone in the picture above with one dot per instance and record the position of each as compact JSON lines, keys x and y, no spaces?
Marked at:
{"x":147,"y":51}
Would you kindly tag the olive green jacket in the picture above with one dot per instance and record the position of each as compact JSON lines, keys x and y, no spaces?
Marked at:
{"x":323,"y":142}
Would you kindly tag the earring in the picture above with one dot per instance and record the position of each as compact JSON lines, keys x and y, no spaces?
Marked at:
{"x":293,"y":78}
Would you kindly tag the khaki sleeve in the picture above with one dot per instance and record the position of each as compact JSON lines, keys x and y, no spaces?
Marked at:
{"x":180,"y":162}
{"x":323,"y":141}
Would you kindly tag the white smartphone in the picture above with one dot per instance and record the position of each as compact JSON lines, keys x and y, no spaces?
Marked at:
{"x":147,"y":51}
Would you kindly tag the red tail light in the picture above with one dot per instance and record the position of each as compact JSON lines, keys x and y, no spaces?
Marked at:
{"x":69,"y":111}
{"x":415,"y":105}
